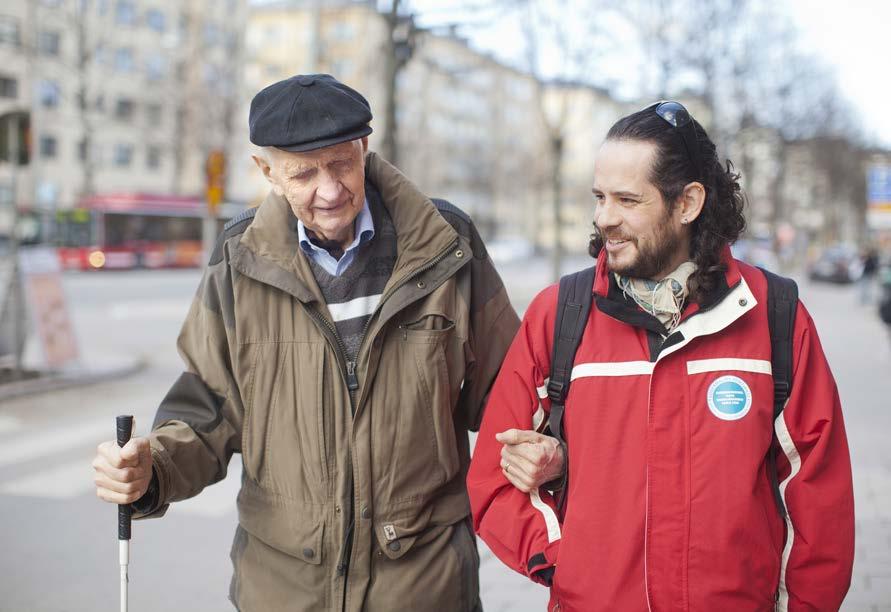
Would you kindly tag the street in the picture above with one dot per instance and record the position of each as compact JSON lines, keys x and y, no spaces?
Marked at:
{"x":59,"y":548}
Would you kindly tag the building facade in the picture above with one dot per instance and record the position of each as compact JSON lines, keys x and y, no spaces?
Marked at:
{"x":123,"y":95}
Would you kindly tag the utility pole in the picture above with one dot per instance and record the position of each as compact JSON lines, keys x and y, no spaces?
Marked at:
{"x":84,"y":56}
{"x":15,"y":127}
{"x":400,"y":45}
{"x":315,"y":40}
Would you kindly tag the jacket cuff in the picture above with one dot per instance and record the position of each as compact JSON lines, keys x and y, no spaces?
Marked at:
{"x":540,"y":568}
{"x":154,"y":503}
{"x":149,"y":501}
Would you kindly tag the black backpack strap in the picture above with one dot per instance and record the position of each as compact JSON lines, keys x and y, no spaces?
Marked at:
{"x":573,"y":306}
{"x":782,"y":302}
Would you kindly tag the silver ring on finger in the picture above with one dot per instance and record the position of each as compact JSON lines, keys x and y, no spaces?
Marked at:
{"x":507,"y":467}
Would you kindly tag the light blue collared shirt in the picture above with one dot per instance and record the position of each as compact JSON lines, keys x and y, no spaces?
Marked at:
{"x":364,"y":226}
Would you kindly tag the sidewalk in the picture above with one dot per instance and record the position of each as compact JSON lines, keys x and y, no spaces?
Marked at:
{"x":92,"y":369}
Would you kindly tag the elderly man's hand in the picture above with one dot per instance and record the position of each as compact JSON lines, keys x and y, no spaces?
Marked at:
{"x":122,"y":474}
{"x":530,"y":459}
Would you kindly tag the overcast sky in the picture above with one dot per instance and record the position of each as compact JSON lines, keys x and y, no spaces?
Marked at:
{"x":853,"y":36}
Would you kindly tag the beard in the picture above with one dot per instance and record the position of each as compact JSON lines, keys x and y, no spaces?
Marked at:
{"x":652,"y":258}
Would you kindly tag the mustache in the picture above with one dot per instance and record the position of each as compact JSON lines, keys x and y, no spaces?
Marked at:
{"x":614,"y":236}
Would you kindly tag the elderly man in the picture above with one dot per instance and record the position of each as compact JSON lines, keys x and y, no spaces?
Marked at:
{"x":343,"y":340}
{"x":696,"y":480}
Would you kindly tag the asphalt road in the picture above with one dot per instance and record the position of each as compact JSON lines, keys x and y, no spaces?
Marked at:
{"x":59,"y":549}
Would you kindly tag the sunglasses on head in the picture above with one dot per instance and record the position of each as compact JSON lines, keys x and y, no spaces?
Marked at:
{"x":678,"y":117}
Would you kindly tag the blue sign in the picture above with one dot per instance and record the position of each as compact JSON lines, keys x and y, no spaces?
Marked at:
{"x":729,"y":398}
{"x":878,"y":184}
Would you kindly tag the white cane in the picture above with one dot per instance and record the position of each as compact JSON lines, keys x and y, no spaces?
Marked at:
{"x":124,"y":429}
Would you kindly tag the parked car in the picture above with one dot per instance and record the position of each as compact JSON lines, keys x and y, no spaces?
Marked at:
{"x":840,"y":263}
{"x":508,"y":249}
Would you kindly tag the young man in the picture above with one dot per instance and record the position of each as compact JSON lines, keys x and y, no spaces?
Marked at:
{"x":343,"y":340}
{"x":669,"y":420}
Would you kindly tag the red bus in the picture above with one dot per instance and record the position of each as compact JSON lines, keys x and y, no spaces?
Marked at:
{"x":120,"y":231}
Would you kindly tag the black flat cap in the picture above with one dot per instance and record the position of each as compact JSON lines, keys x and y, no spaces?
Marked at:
{"x":306,"y":112}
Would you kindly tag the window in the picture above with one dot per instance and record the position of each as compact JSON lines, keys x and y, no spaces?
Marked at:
{"x":100,"y":54}
{"x":10,"y":34}
{"x":155,"y":67}
{"x":123,"y":110}
{"x":153,"y":114}
{"x":211,"y":34}
{"x":49,"y":93}
{"x":155,"y":20}
{"x":9,"y":87}
{"x":82,"y":149}
{"x":123,"y":59}
{"x":231,"y":41}
{"x":125,"y":12}
{"x":48,"y":146}
{"x":123,"y":155}
{"x":48,"y":43}
{"x":342,"y":30}
{"x":153,"y":157}
{"x":341,"y":69}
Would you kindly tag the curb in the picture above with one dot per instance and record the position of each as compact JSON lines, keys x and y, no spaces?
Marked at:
{"x":56,"y":381}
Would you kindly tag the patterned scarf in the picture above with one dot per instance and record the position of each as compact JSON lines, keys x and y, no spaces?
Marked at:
{"x":663,"y":299}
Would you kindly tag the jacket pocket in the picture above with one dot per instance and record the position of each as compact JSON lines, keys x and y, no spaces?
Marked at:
{"x":285,"y":430}
{"x":282,"y":526}
{"x":412,"y":409}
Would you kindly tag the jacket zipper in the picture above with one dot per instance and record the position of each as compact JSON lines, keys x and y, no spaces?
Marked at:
{"x":352,"y":380}
{"x":348,"y":369}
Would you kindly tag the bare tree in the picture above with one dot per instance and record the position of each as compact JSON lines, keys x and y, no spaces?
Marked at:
{"x":561,"y":49}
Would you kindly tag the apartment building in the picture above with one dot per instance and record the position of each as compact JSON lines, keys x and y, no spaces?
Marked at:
{"x":123,"y":95}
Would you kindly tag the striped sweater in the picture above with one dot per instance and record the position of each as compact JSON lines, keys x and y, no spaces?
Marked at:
{"x":353,"y":296}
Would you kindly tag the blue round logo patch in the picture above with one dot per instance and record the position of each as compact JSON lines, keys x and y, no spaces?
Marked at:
{"x":729,"y":398}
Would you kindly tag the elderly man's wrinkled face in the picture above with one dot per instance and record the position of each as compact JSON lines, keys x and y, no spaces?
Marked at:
{"x":325,"y":187}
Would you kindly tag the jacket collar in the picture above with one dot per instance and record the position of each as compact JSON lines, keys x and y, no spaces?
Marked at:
{"x":421,"y":232}
{"x":731,"y":299}
{"x":269,"y":249}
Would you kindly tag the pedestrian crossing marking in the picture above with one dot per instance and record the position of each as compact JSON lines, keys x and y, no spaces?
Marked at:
{"x":9,"y":424}
{"x":31,"y":446}
{"x":157,"y":309}
{"x":59,"y":482}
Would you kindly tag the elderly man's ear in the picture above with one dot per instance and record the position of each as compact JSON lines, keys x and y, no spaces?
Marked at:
{"x":265,"y":168}
{"x":262,"y":164}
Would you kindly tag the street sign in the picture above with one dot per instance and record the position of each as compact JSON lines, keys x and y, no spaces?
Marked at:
{"x":878,"y":196}
{"x":216,"y":179}
{"x":42,"y":280}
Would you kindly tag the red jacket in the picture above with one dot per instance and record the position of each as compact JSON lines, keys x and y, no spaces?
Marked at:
{"x":669,"y":505}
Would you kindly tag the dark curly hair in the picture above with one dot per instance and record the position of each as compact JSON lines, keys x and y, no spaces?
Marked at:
{"x":721,"y":220}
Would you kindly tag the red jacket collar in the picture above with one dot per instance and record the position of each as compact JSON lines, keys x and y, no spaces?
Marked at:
{"x":732,"y":276}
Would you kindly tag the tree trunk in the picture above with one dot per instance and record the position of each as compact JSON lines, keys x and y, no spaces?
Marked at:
{"x":557,"y":195}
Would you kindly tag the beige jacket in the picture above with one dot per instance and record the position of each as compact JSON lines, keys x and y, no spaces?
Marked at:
{"x":265,"y":377}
